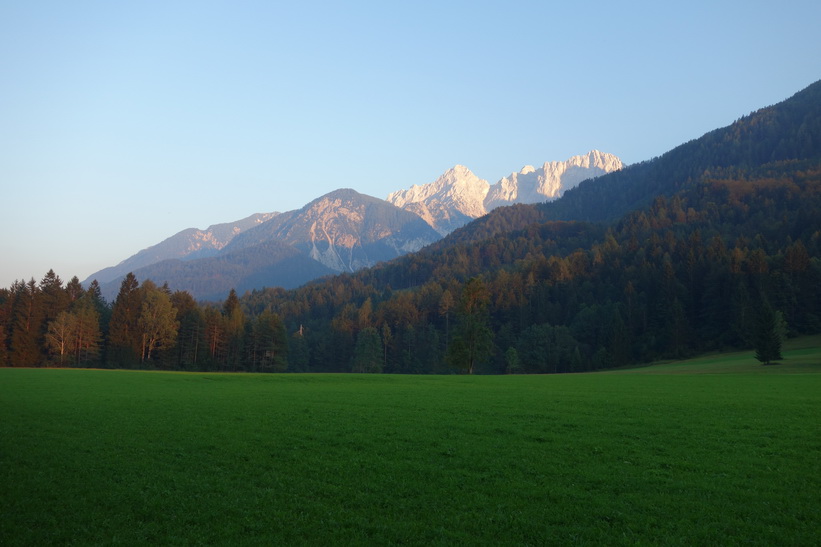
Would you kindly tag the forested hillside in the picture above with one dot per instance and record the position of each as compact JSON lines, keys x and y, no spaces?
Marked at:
{"x":688,"y":274}
{"x":788,"y":131}
{"x":727,"y":233}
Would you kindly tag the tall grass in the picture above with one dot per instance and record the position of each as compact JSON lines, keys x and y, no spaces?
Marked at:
{"x":136,"y":457}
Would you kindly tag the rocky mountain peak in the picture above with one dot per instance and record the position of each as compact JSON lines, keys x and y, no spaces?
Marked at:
{"x":458,"y":180}
{"x":450,"y":201}
{"x":345,"y":230}
{"x":551,"y":180}
{"x":459,"y":196}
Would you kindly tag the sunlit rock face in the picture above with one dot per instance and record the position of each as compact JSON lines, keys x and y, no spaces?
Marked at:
{"x":551,"y":180}
{"x":345,"y":231}
{"x":459,"y":196}
{"x":451,"y":201}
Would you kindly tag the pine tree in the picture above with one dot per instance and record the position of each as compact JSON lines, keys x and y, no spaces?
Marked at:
{"x":268,"y":344}
{"x":55,"y":298}
{"x":768,"y":335}
{"x":94,"y":295}
{"x":125,"y":341}
{"x":368,"y":351}
{"x":4,"y":357}
{"x":27,"y":316}
{"x":214,"y":337}
{"x":234,"y":325}
{"x":472,"y":337}
{"x":190,"y":345}
{"x":299,"y":355}
{"x":74,"y":289}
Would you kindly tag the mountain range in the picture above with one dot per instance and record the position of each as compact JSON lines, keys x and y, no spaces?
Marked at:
{"x":458,"y":196}
{"x":185,"y":245}
{"x":714,"y":245}
{"x":342,"y":231}
{"x":700,"y":249}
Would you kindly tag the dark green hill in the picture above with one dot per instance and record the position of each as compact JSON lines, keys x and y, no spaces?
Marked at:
{"x":685,"y":275}
{"x":684,"y":252}
{"x":786,"y":132}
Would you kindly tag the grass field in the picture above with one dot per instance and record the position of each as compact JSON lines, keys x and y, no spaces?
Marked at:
{"x":658,"y":455}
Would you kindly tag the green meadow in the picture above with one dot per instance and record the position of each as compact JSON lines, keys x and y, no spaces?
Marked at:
{"x":716,"y":450}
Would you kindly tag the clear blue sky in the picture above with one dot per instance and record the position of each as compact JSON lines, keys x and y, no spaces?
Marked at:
{"x":122,"y":123}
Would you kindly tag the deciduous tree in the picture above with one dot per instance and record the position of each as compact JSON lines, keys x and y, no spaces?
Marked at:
{"x":157,"y":322}
{"x":60,"y":335}
{"x":87,"y":333}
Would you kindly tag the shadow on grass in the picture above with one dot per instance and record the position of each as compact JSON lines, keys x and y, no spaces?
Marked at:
{"x":801,"y":356}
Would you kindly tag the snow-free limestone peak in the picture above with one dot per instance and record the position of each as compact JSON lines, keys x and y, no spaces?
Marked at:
{"x":450,"y":201}
{"x":459,"y":196}
{"x":551,"y":180}
{"x":345,"y":231}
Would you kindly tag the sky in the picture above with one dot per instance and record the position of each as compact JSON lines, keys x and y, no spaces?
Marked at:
{"x":123,"y":123}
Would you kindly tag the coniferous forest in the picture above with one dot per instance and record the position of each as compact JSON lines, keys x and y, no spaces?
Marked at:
{"x":712,"y":246}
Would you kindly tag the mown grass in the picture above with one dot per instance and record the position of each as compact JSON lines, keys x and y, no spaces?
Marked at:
{"x":100,"y":457}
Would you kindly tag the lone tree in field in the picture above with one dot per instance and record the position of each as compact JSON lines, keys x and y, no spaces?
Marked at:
{"x":769,"y":334}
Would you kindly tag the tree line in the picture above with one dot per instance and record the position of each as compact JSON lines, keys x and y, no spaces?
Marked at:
{"x":51,"y":324}
{"x":701,"y":270}
{"x":606,"y":276}
{"x":691,"y":273}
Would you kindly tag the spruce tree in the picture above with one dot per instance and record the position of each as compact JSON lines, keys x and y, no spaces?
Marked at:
{"x":768,"y":335}
{"x":234,"y":327}
{"x":27,"y":318}
{"x":125,"y":343}
{"x":368,"y":352}
{"x":472,"y":338}
{"x":268,"y":344}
